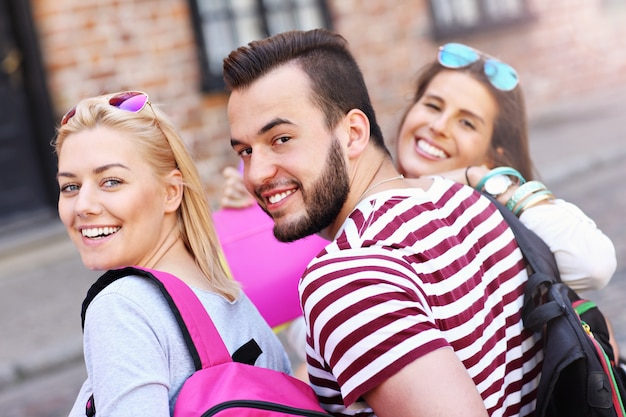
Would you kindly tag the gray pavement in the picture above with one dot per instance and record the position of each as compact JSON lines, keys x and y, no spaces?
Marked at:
{"x":579,"y":150}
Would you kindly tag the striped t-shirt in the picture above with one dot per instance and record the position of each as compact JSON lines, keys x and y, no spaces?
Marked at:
{"x":412,"y":271}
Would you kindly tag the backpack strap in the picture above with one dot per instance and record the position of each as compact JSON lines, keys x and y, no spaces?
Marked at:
{"x":202,"y":338}
{"x":544,"y":274}
{"x":534,"y":313}
{"x":535,"y":251}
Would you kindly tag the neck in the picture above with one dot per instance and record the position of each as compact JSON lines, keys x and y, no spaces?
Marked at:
{"x":364,"y":174}
{"x":378,"y":184}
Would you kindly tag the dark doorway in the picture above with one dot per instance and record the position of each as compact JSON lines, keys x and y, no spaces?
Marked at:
{"x":26,"y":125}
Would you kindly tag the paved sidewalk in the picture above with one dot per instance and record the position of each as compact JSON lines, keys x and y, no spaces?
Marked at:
{"x":42,"y":284}
{"x":579,"y":149}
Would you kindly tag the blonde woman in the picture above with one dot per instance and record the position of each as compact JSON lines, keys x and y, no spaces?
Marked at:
{"x":130,"y":195}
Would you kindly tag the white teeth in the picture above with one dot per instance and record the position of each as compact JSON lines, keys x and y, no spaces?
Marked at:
{"x":97,"y":232}
{"x":278,"y":197}
{"x":430,"y":149}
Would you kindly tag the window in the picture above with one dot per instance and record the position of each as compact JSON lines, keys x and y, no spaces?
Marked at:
{"x":461,"y":17}
{"x":224,"y":25}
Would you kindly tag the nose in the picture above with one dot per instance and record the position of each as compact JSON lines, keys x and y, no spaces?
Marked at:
{"x":86,"y":202}
{"x":439,"y":125}
{"x":259,"y":169}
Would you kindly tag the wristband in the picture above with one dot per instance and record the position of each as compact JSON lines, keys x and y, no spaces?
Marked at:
{"x":529,"y":201}
{"x":535,"y":199}
{"x":499,"y":171}
{"x":524,"y":191}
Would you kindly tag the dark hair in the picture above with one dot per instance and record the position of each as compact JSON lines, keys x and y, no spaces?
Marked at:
{"x":509,"y":142}
{"x":337,"y":82}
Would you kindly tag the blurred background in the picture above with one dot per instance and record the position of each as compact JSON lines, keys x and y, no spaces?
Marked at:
{"x":54,"y":53}
{"x":570,"y":55}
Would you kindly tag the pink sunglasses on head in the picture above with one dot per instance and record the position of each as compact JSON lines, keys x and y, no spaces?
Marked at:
{"x":132,"y":101}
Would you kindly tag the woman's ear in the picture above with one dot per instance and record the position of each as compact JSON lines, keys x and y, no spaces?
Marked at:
{"x":358,"y":132}
{"x":493,"y":156}
{"x":174,"y":190}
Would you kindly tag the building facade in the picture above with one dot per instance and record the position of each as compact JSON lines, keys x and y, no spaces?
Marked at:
{"x":55,"y":52}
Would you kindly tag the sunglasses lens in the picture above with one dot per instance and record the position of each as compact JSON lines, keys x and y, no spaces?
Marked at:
{"x":456,"y":55}
{"x":132,"y":101}
{"x":501,"y":75}
{"x":71,"y":112}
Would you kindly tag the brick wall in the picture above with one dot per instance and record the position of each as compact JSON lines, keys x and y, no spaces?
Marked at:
{"x":570,"y":50}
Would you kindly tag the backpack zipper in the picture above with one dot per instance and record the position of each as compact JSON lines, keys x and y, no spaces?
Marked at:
{"x":262,"y":405}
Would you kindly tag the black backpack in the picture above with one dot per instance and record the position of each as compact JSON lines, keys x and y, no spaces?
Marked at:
{"x":579,"y":376}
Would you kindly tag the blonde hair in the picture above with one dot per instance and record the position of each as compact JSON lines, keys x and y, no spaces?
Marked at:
{"x":164,"y":149}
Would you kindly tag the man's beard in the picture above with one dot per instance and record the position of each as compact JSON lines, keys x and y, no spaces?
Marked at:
{"x":323,"y":201}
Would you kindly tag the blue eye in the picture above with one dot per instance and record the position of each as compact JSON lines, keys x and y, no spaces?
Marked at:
{"x":68,"y":188}
{"x":111,"y":182}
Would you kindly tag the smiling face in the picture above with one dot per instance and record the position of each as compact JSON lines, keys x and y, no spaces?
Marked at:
{"x":450,"y":127}
{"x":293,"y":165}
{"x":113,"y":205}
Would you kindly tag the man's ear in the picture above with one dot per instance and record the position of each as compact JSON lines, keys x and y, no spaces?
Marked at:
{"x":358,"y":126}
{"x":174,"y":188}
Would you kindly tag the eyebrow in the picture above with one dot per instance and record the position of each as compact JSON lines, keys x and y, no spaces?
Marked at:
{"x":97,"y":170}
{"x":266,"y":128}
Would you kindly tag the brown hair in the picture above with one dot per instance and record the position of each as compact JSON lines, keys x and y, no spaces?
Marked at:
{"x":509,"y":142}
{"x":164,"y":149}
{"x":336,"y":79}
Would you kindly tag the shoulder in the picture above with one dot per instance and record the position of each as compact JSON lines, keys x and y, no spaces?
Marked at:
{"x":442,"y":194}
{"x":128,"y":291}
{"x":131,"y":302}
{"x":416,"y":213}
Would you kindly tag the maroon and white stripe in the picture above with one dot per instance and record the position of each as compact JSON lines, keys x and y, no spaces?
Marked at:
{"x":411,"y":272}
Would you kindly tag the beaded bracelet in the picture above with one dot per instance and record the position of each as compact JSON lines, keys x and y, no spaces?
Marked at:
{"x":499,"y":171}
{"x":535,"y":199}
{"x":523,"y":192}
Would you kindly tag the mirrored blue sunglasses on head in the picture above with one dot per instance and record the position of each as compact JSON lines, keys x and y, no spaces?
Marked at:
{"x":132,"y":101}
{"x":455,"y":55}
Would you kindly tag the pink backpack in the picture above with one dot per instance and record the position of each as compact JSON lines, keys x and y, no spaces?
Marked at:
{"x":220,"y":386}
{"x":268,"y":270}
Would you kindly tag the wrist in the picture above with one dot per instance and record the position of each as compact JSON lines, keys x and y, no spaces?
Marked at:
{"x":474,"y":173}
{"x":528,"y":195}
{"x":506,"y":196}
{"x":498,"y":181}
